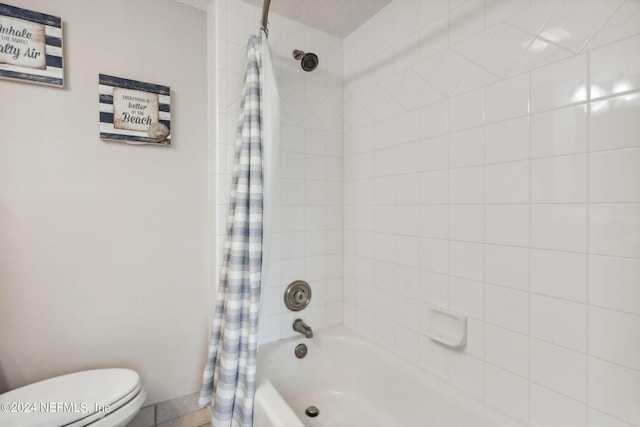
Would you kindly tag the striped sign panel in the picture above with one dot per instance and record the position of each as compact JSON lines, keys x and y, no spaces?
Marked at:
{"x":129,"y":107}
{"x":16,"y":43}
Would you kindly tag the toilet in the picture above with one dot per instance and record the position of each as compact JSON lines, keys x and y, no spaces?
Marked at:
{"x":101,"y":398}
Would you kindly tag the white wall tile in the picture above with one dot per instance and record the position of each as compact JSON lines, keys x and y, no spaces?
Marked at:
{"x":507,"y":349}
{"x":466,"y":297}
{"x":364,"y":322}
{"x":560,"y":227}
{"x":551,"y":409}
{"x":560,"y":369}
{"x":614,"y":230}
{"x":434,"y":188}
{"x":507,"y":224}
{"x":500,"y":10}
{"x":449,"y":72}
{"x":559,"y":321}
{"x":269,"y":329}
{"x":433,"y":357}
{"x":434,"y":255}
{"x":434,"y":119}
{"x":559,"y":274}
{"x":533,"y":19}
{"x":624,"y":23}
{"x":559,"y":179}
{"x":434,"y":154}
{"x":615,"y":68}
{"x":435,"y":36}
{"x":466,"y":222}
{"x":407,"y":344}
{"x":434,"y":288}
{"x":467,"y":110}
{"x":614,"y":390}
{"x":507,"y":99}
{"x":507,"y":182}
{"x":407,"y":250}
{"x":292,"y":218}
{"x":406,"y":189}
{"x":334,"y":313}
{"x":407,"y":127}
{"x":434,"y":221}
{"x":475,"y":78}
{"x":383,"y":133}
{"x":613,"y":283}
{"x":508,"y":308}
{"x":503,"y":173}
{"x":466,"y":260}
{"x":475,"y":338}
{"x":507,"y":391}
{"x":406,"y":312}
{"x":467,"y":372}
{"x":613,"y":336}
{"x":466,"y":185}
{"x":614,"y":176}
{"x":600,"y":419}
{"x":559,"y":132}
{"x":507,"y":266}
{"x":466,"y":148}
{"x":384,"y":162}
{"x":613,"y":123}
{"x":573,"y":24}
{"x":559,"y":84}
{"x":292,"y":165}
{"x":504,"y":49}
{"x":466,"y":20}
{"x":383,"y":218}
{"x":507,"y":141}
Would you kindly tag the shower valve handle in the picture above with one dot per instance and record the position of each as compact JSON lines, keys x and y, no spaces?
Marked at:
{"x":300,"y":296}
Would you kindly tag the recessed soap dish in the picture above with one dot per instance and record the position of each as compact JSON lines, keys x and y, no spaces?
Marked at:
{"x":446,"y":327}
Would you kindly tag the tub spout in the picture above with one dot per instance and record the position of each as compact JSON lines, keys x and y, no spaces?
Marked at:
{"x":303,"y":328}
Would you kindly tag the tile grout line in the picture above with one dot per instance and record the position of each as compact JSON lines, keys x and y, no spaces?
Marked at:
{"x":587,"y":233}
{"x":529,"y":272}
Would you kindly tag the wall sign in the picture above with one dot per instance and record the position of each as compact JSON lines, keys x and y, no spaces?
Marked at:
{"x":30,"y":46}
{"x":134,"y":112}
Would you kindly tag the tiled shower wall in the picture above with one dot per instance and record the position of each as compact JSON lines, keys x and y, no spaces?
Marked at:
{"x":308,"y":225}
{"x":492,"y":167}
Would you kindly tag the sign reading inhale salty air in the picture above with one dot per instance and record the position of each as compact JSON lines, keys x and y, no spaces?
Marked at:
{"x":22,"y":43}
{"x":30,"y":46}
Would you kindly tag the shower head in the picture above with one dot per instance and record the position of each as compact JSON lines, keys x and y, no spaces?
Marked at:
{"x":308,"y":61}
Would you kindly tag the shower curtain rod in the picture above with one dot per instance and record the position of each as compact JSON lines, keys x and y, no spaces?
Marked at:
{"x":265,"y":17}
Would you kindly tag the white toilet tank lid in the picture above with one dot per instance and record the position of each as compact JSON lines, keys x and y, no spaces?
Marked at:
{"x":66,"y":399}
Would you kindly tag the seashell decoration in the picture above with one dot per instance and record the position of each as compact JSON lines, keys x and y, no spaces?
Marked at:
{"x":158,"y":131}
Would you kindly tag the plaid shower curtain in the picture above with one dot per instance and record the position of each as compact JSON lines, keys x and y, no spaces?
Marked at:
{"x":230,"y":372}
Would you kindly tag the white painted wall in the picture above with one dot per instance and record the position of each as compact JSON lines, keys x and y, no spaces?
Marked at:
{"x":103,"y":245}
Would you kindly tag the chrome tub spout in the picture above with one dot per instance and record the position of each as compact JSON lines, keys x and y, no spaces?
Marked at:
{"x":303,"y":328}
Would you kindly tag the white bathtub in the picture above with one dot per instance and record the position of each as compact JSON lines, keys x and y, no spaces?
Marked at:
{"x":355,"y":383}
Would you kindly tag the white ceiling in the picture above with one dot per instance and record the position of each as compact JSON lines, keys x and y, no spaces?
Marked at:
{"x":337,"y":17}
{"x":198,"y":4}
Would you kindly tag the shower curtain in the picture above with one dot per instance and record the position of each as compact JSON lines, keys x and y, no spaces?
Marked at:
{"x":229,"y":375}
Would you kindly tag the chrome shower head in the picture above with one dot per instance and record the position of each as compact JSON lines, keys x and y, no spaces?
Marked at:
{"x":308,"y":61}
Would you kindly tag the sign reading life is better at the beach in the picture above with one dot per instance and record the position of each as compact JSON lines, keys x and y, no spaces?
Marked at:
{"x":134,"y":112}
{"x":30,"y":46}
{"x":134,"y":109}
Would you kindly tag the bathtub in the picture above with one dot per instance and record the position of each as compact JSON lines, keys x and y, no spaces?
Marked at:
{"x":355,"y":383}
